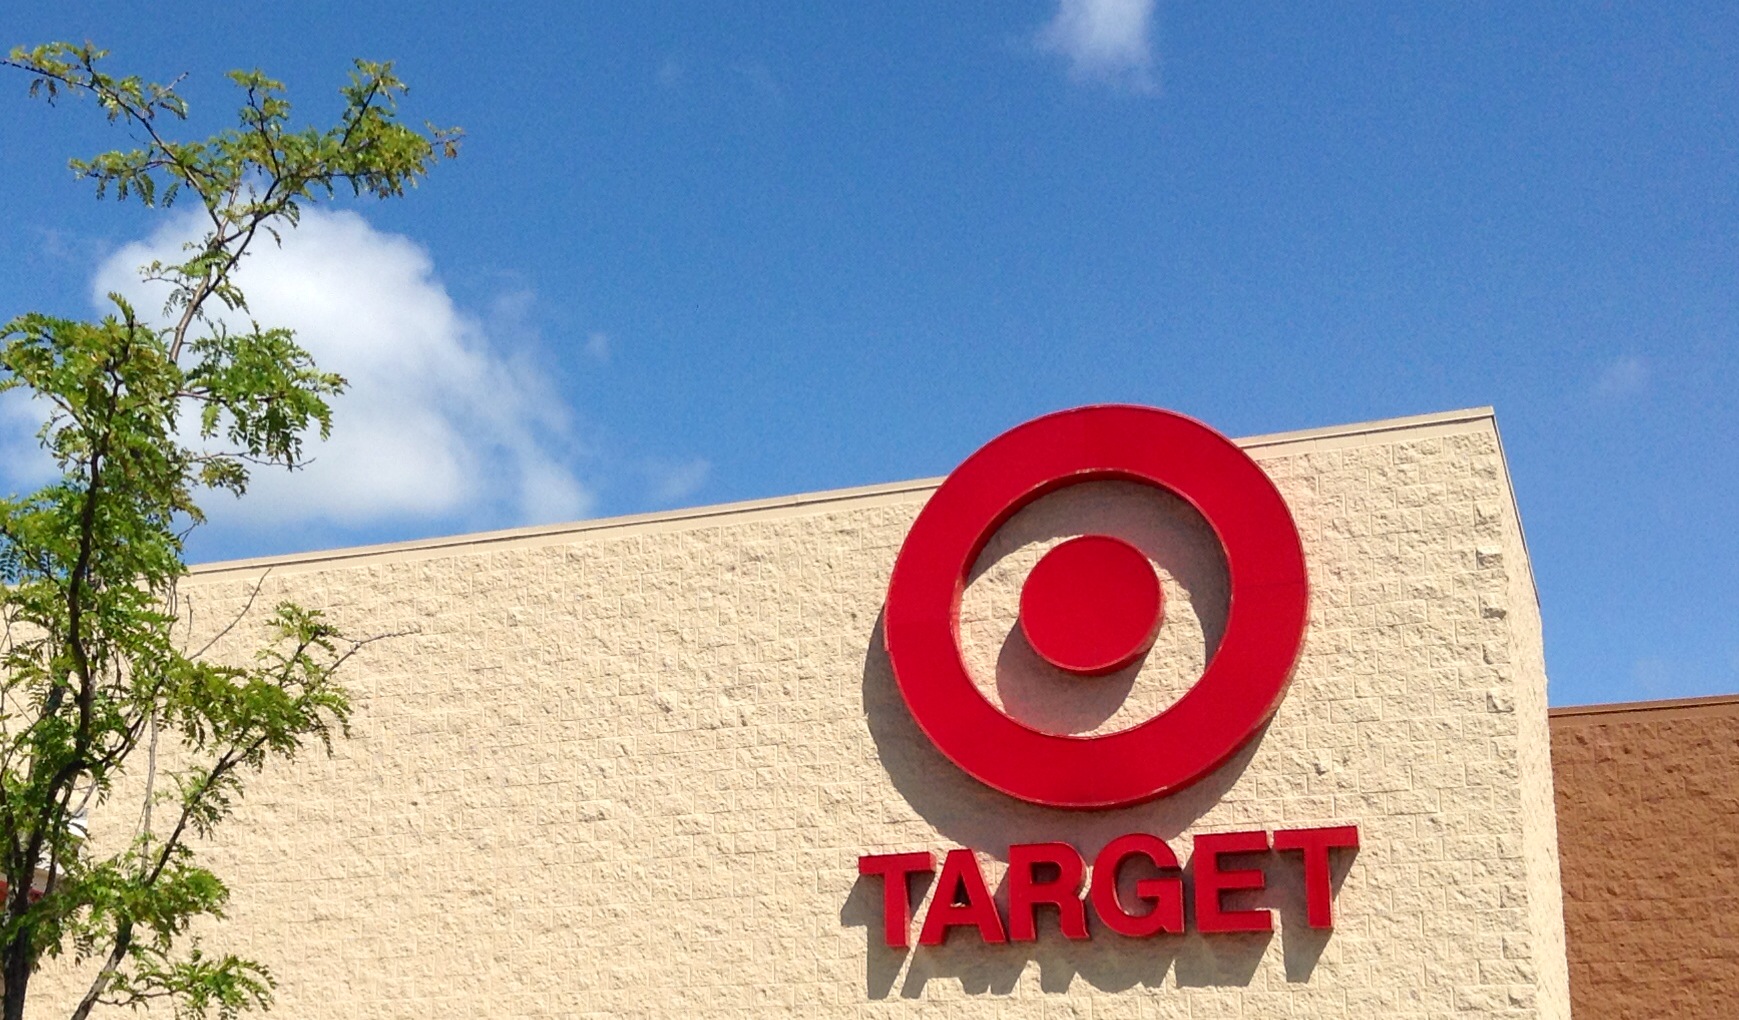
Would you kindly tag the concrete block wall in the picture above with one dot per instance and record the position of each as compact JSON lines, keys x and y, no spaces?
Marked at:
{"x":626,"y":768}
{"x":1647,"y":798}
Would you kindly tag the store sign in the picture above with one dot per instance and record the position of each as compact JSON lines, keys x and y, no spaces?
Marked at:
{"x":963,"y":897}
{"x":1093,"y":605}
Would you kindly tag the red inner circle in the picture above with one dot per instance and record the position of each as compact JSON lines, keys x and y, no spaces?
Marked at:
{"x":1091,"y":606}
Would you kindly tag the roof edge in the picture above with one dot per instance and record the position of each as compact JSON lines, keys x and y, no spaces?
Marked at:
{"x":1367,"y":428}
{"x":538,"y":531}
{"x":886,"y":490}
{"x":1718,"y":704}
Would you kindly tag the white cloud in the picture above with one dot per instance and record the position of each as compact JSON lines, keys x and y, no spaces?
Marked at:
{"x":1624,"y":377}
{"x":759,"y":78}
{"x":1653,"y":676}
{"x":439,"y":422}
{"x":674,"y":482}
{"x":598,"y":347}
{"x":24,"y":464}
{"x":1107,"y":40}
{"x":671,"y":73}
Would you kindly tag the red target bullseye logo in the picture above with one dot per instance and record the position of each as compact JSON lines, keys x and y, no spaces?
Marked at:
{"x":1092,"y":605}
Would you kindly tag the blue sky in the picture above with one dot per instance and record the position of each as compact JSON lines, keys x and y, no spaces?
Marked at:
{"x":716,"y":251}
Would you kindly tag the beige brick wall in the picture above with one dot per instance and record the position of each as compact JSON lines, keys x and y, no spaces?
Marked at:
{"x":627,"y":768}
{"x":1525,"y":654}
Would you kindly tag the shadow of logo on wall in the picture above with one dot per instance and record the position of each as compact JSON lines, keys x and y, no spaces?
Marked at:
{"x":1085,"y":732}
{"x":1091,"y":606}
{"x":970,"y":814}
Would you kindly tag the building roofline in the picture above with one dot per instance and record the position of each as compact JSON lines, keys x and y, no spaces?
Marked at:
{"x":1466,"y":415}
{"x":1720,"y":704}
{"x":1330,"y":437}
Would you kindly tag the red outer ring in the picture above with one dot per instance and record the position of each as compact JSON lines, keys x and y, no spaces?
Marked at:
{"x":1235,"y":696}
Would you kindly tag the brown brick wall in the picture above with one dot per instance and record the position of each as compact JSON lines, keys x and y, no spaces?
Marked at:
{"x":1648,"y":831}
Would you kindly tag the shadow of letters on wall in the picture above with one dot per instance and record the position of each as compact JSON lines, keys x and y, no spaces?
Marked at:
{"x":984,"y":952}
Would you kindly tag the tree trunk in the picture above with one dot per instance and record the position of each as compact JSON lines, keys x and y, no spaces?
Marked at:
{"x":17,"y":976}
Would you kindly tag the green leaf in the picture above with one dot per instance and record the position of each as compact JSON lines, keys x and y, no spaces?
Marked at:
{"x":142,"y":423}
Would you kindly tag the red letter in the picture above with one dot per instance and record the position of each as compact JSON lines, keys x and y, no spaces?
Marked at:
{"x":1316,"y":843}
{"x":961,"y":878}
{"x":896,"y":898}
{"x":1165,"y":892}
{"x":1211,"y":881}
{"x":1064,"y":892}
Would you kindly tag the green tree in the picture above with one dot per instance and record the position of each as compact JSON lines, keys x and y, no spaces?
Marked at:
{"x":144,"y":420}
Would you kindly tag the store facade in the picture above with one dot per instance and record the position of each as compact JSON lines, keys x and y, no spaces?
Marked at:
{"x":719,"y":762}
